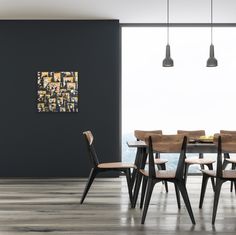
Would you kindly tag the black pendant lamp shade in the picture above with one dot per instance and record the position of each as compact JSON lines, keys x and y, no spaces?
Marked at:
{"x":168,"y":62}
{"x":212,"y":61}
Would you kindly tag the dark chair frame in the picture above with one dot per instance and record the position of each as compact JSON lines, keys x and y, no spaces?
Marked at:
{"x":227,"y":156}
{"x":190,"y":134}
{"x":219,"y":181}
{"x":178,"y":180}
{"x":160,"y":166}
{"x":233,"y":167}
{"x":96,"y":170}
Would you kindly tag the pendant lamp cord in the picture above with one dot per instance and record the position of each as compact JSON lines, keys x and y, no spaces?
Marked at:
{"x":211,"y":21}
{"x":168,"y":23}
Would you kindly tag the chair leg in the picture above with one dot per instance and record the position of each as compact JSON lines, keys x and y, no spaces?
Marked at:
{"x":136,"y":189}
{"x":184,"y":193}
{"x":177,"y":196}
{"x":186,"y":172}
{"x":133,"y":177}
{"x":216,"y":198}
{"x":232,"y":184}
{"x":235,"y":186}
{"x":203,"y":189}
{"x":163,"y":167}
{"x":159,"y":167}
{"x":201,"y":157}
{"x":92,"y":175}
{"x":210,"y":166}
{"x":224,"y":165}
{"x":147,"y":199}
{"x":144,"y":186}
{"x":129,"y":184}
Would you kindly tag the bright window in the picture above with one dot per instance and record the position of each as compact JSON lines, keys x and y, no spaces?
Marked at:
{"x":187,"y":96}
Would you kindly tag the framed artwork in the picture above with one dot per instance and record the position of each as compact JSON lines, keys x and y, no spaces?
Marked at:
{"x":57,"y":92}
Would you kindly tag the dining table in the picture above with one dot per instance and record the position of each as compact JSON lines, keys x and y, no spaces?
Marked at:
{"x":141,"y":159}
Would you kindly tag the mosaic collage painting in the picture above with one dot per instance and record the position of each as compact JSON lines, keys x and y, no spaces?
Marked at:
{"x":57,"y":92}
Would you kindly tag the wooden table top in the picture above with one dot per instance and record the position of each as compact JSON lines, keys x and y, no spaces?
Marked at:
{"x":191,"y":147}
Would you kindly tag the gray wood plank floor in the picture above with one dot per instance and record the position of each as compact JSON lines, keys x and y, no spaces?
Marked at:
{"x":51,"y":206}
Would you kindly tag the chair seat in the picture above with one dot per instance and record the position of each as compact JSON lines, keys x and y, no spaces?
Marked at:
{"x":201,"y":161}
{"x":211,"y":173}
{"x":231,"y":160}
{"x":227,"y":174}
{"x":162,"y":174}
{"x":159,"y":161}
{"x":117,"y":165}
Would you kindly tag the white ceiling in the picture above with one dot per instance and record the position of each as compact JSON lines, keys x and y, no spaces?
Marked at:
{"x":127,"y":11}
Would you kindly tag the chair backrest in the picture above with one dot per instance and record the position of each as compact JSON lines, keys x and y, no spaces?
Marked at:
{"x":227,"y":132}
{"x":192,"y":134}
{"x":142,"y":135}
{"x":226,"y":144}
{"x":91,"y":149}
{"x":167,"y":144}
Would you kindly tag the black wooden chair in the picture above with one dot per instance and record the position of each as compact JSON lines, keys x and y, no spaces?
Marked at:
{"x":166,"y":144}
{"x":159,"y":162}
{"x":227,"y":158}
{"x":226,"y":144}
{"x":194,"y":135}
{"x":98,"y":167}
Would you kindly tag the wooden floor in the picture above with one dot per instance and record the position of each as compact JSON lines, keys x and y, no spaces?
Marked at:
{"x":51,"y":206}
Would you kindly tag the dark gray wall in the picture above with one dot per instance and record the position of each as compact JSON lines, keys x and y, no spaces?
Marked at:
{"x":52,"y":144}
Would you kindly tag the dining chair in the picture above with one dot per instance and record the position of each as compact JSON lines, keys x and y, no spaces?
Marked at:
{"x":225,"y":144}
{"x":160,"y":163}
{"x":194,"y":135}
{"x":227,"y":158}
{"x":166,"y":144}
{"x":98,"y":167}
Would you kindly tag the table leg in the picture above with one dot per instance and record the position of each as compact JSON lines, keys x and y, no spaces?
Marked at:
{"x":142,"y":161}
{"x":136,"y":163}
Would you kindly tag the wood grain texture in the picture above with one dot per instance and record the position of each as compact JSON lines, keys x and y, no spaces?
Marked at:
{"x":51,"y":206}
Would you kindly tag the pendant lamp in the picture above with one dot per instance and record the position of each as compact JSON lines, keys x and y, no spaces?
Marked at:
{"x":212,"y":61}
{"x":168,"y":62}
